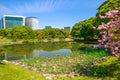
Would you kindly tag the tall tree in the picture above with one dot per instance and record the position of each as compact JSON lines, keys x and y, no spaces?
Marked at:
{"x":105,"y":7}
{"x":84,"y":29}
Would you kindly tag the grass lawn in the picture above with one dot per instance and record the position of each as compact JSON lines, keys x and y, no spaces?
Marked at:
{"x":90,"y":64}
{"x":14,"y":72}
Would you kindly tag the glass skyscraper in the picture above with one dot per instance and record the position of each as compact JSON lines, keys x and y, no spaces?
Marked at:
{"x":10,"y":21}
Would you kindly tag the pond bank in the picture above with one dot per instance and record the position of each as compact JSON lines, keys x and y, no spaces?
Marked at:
{"x":65,"y":40}
{"x":106,"y":69}
{"x":71,"y":66}
{"x":7,"y":42}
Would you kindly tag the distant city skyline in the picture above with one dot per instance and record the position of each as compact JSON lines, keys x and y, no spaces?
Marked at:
{"x":9,"y":21}
{"x":56,"y":13}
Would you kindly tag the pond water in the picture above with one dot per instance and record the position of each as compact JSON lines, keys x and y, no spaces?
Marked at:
{"x":19,"y":51}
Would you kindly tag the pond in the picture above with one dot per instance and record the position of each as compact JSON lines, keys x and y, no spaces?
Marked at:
{"x":19,"y":51}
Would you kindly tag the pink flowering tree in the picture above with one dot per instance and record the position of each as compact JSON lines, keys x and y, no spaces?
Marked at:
{"x":110,"y":32}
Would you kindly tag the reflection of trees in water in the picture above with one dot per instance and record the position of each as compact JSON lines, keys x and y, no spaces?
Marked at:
{"x":17,"y":51}
{"x":20,"y":49}
{"x":32,"y":50}
{"x":2,"y":56}
{"x":46,"y":46}
{"x":51,"y":46}
{"x":77,"y":46}
{"x":2,"y":53}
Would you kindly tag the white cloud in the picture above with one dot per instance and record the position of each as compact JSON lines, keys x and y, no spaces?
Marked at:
{"x":31,"y":7}
{"x":37,"y":6}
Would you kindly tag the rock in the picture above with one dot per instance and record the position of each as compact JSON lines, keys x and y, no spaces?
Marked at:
{"x":4,"y":61}
{"x":71,"y":75}
{"x":16,"y":63}
{"x":34,"y":69}
{"x":43,"y":65}
{"x":49,"y":76}
{"x":23,"y":65}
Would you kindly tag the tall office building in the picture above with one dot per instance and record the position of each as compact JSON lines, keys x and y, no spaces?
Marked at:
{"x":48,"y":26}
{"x":67,"y":28}
{"x":32,"y":22}
{"x":9,"y":21}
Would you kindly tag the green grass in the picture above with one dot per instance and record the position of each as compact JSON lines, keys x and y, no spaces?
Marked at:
{"x":109,"y":69}
{"x":5,"y":40}
{"x":13,"y":72}
{"x":65,"y":63}
{"x":98,"y":65}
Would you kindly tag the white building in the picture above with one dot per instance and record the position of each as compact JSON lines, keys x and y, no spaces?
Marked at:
{"x":32,"y":22}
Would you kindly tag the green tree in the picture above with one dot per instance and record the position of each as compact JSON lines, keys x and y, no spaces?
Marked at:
{"x":27,"y":33}
{"x":51,"y":33}
{"x":19,"y":32}
{"x":105,"y":7}
{"x":2,"y":33}
{"x":9,"y":33}
{"x":39,"y":34}
{"x":84,"y":29}
{"x":65,"y":33}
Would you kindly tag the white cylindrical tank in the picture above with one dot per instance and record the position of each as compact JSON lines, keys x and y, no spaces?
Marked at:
{"x":32,"y":22}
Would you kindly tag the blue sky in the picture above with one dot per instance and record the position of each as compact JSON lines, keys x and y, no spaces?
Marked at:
{"x":56,"y":13}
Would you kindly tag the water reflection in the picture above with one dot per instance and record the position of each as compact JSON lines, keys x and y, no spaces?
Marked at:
{"x":55,"y":52}
{"x":15,"y":52}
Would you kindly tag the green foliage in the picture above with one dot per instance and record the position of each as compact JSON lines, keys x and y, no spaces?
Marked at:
{"x":66,"y":33}
{"x":107,"y":6}
{"x":2,"y":33}
{"x":8,"y":33}
{"x":39,"y":34}
{"x":84,"y":29}
{"x":51,"y":33}
{"x":108,"y":69}
{"x":25,"y":32}
{"x":22,"y":32}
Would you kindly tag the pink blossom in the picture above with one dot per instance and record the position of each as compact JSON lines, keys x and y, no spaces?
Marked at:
{"x":113,"y":52}
{"x":110,"y":35}
{"x":107,"y":41}
{"x":106,"y":46}
{"x":109,"y":15}
{"x":114,"y":12}
{"x":103,"y":33}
